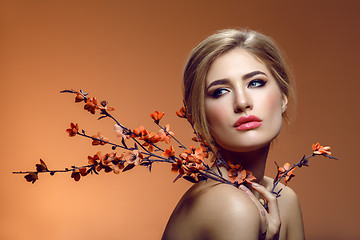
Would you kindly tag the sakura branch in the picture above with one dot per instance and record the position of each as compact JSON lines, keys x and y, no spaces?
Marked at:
{"x":146,"y":149}
{"x":286,"y":172}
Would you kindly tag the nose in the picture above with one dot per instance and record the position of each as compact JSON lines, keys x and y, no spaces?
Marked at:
{"x":242,"y":101}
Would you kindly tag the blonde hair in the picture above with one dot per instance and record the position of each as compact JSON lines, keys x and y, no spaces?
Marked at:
{"x":204,"y":54}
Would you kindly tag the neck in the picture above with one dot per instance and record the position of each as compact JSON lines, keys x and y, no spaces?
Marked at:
{"x":254,"y":161}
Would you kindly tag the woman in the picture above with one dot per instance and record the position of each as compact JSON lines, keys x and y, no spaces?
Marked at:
{"x":236,"y":88}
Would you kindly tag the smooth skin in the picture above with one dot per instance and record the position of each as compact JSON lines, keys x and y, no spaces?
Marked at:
{"x":210,"y":210}
{"x":238,"y":84}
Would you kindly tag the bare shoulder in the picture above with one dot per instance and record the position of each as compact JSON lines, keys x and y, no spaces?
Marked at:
{"x":210,"y":210}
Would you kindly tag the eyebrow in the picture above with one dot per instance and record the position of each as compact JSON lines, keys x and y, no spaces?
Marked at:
{"x":251,"y":74}
{"x":246,"y":76}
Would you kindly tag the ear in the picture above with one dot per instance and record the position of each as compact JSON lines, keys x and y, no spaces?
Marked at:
{"x":284,"y":103}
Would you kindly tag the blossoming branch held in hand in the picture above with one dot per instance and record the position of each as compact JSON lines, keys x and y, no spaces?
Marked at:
{"x":146,"y":148}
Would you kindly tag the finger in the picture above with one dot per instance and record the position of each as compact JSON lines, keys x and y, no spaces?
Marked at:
{"x":261,"y":209}
{"x":270,"y":198}
{"x":273,"y":215}
{"x":252,"y":197}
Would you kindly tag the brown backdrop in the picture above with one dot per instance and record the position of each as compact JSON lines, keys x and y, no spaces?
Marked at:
{"x":132,"y":54}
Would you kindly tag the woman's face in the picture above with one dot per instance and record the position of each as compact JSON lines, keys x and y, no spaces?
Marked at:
{"x":243,"y":102}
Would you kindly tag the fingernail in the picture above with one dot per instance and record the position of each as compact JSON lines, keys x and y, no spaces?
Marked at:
{"x":263,"y":213}
{"x":255,"y":184}
{"x":242,"y":187}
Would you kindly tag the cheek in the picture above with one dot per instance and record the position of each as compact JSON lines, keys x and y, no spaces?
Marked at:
{"x":214,"y":113}
{"x":272,"y":103}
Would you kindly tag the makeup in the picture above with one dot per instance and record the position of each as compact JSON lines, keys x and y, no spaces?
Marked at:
{"x":247,"y":123}
{"x":244,"y":114}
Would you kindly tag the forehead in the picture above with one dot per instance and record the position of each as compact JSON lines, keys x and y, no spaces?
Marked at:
{"x":234,"y":64}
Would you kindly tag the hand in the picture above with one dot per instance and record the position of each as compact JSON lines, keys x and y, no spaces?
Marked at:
{"x":270,"y":220}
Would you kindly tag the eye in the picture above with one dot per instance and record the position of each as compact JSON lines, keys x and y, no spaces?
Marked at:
{"x":218,"y":92}
{"x":257,"y":83}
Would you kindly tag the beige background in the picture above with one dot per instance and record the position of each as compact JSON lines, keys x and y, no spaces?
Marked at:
{"x":132,"y":54}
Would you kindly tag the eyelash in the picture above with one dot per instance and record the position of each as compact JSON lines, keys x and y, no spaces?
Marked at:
{"x":217,"y":92}
{"x":257,"y":81}
{"x":220,"y":91}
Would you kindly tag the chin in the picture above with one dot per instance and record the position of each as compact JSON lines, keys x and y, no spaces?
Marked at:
{"x":248,"y":144}
{"x":246,"y":147}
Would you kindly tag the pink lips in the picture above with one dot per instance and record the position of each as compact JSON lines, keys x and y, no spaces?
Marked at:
{"x":247,"y":123}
